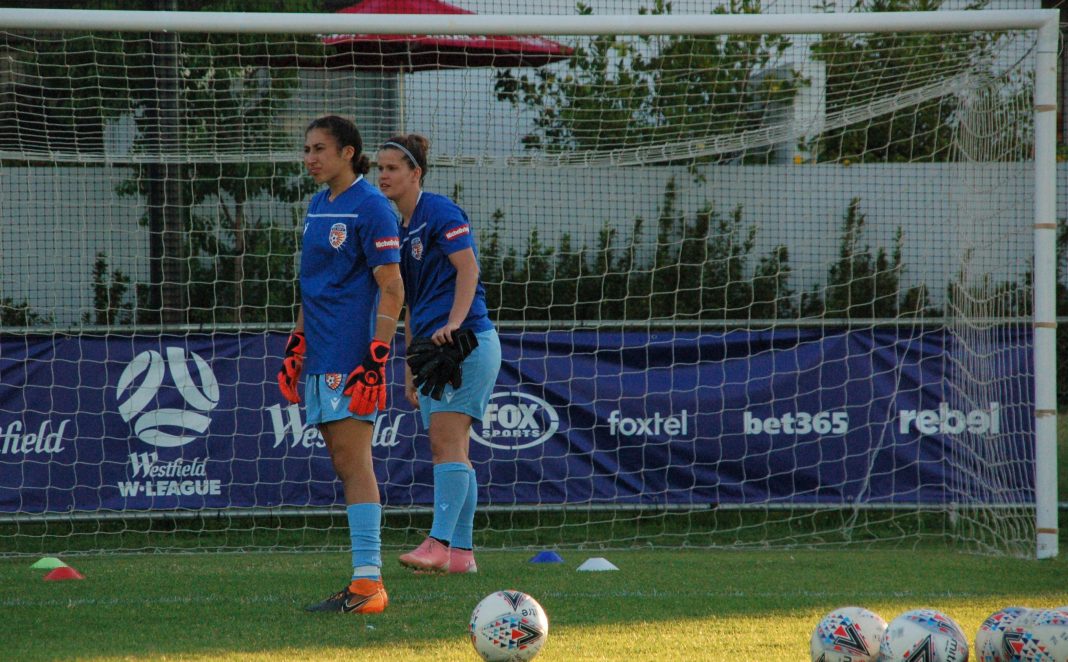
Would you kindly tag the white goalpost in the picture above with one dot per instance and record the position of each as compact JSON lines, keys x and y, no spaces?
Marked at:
{"x":762,"y":280}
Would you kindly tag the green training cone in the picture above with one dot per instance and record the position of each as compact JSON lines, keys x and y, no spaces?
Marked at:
{"x":48,"y":562}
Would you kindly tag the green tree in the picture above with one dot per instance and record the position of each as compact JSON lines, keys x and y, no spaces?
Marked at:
{"x":863,"y":283}
{"x":617,"y":93}
{"x":236,"y":104}
{"x":111,"y":304}
{"x":184,"y":96}
{"x":534,"y":275}
{"x":610,"y":274}
{"x":861,"y":68}
{"x":495,"y":264}
{"x":699,"y":269}
{"x":727,"y":287}
{"x":21,"y":314}
{"x":567,"y":273}
{"x":773,"y":297}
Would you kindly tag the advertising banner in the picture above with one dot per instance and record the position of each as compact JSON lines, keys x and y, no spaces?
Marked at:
{"x":798,"y":416}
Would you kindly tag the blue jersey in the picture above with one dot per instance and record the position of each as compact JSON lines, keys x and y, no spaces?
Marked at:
{"x":437,"y":229}
{"x":344,"y":241}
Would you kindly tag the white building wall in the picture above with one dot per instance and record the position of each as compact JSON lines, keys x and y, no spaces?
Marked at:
{"x":53,"y":221}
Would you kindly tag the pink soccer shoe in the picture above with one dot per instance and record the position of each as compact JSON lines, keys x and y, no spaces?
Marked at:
{"x":430,"y":556}
{"x":462,"y":561}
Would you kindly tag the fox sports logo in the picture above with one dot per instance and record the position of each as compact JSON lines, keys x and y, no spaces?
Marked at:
{"x":514,"y":421}
{"x":139,"y":397}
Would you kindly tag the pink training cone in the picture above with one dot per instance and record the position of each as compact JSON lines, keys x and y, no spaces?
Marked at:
{"x":66,"y":572}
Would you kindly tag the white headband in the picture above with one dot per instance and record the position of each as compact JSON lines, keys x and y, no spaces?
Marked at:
{"x":415,"y":164}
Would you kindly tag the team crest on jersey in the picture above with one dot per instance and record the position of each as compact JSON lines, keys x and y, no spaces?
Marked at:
{"x":338,"y":234}
{"x":333,"y":380}
{"x":417,"y":248}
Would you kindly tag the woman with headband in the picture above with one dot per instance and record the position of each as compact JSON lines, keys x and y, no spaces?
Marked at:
{"x":446,"y":301}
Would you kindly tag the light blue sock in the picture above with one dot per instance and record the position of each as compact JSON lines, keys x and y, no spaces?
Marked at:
{"x":465,"y":526}
{"x":450,"y":491}
{"x":365,"y":526}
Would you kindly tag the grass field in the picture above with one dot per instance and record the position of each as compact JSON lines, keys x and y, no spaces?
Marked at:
{"x":659,"y":606}
{"x":710,"y":605}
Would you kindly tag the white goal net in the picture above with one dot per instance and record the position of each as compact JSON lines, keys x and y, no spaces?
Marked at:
{"x":761,"y":280}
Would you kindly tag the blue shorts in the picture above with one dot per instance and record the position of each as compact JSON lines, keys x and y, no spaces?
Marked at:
{"x":480,"y":370}
{"x":324,"y":401}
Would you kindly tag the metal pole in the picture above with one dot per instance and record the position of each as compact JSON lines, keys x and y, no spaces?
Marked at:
{"x":489,"y":24}
{"x":1045,"y":291}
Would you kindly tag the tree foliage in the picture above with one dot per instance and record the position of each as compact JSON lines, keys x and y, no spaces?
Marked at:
{"x":21,"y":314}
{"x":698,"y":268}
{"x":865,"y":283}
{"x":616,"y":93}
{"x":861,"y":68}
{"x":110,"y":302}
{"x":182,"y":96}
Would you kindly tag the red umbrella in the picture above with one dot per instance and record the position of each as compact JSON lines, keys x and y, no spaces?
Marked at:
{"x":422,"y":52}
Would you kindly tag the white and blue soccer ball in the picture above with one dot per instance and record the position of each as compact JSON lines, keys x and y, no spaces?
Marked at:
{"x":990,"y":638}
{"x":847,"y":634}
{"x":1040,"y":637}
{"x":924,"y":634}
{"x":508,"y":626}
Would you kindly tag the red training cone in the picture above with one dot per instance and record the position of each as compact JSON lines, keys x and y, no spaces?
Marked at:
{"x":65,"y":572}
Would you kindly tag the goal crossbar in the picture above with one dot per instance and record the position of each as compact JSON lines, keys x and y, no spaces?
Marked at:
{"x":505,"y":24}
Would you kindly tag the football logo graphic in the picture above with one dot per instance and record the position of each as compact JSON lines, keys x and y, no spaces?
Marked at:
{"x":142,"y":397}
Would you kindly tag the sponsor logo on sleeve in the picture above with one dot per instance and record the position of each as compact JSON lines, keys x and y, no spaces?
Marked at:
{"x":387,"y":243}
{"x":457,"y":231}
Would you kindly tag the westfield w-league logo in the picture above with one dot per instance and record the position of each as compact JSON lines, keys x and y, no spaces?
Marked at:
{"x":163,"y":400}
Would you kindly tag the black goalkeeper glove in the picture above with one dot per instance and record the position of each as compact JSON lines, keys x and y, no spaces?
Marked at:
{"x":435,"y":366}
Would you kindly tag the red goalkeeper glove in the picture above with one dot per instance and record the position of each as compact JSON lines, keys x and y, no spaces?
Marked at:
{"x":292,"y":364}
{"x":367,"y":383}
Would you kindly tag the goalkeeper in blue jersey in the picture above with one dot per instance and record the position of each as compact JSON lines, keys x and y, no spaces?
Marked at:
{"x":351,"y":297}
{"x":453,"y":352}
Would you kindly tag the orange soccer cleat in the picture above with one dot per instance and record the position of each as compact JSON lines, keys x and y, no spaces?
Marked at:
{"x":362,"y":596}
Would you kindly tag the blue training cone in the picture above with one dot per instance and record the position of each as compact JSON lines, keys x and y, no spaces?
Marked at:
{"x":546,"y":557}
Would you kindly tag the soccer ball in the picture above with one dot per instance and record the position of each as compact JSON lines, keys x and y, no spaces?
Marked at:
{"x":508,"y":626}
{"x":1042,"y":637}
{"x":924,"y":634}
{"x":989,"y":640}
{"x":847,"y":634}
